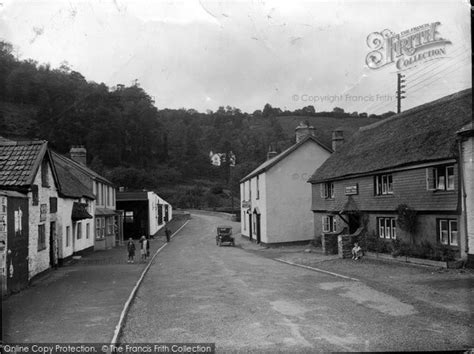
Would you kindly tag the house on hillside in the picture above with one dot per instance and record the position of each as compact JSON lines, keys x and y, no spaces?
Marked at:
{"x":408,"y":162}
{"x":75,"y":229}
{"x":26,"y":168}
{"x":145,"y":213}
{"x":107,"y":222}
{"x":275,"y":198}
{"x":218,"y":159}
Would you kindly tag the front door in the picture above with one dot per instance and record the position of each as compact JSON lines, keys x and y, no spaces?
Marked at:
{"x":53,"y":260}
{"x":250,"y":226}
{"x":17,"y":253}
{"x":258,"y":227}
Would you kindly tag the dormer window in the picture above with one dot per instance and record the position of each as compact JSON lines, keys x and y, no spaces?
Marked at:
{"x":327,"y":190}
{"x":383,"y":184}
{"x":440,"y":178}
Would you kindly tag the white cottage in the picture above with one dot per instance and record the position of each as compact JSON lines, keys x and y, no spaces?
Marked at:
{"x":107,"y":222}
{"x":75,"y":229}
{"x":276,"y":198}
{"x":26,"y":167}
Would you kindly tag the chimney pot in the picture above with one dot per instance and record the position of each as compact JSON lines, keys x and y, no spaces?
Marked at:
{"x":271,"y":152}
{"x":303,"y":130}
{"x":337,"y":139}
{"x":78,"y":153}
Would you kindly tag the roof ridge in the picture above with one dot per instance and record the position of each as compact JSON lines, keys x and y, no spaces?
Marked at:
{"x":267,"y":164}
{"x":427,"y":105}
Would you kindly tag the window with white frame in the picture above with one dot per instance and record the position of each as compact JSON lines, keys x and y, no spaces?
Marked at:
{"x":88,"y":230}
{"x":110,"y":225}
{"x":383,"y":184}
{"x":258,"y":187}
{"x":99,"y":228}
{"x":440,"y":178}
{"x":327,"y":190}
{"x":387,"y":228}
{"x":41,"y":237}
{"x":104,"y":192}
{"x":79,"y":230}
{"x":68,"y":235}
{"x":329,"y":223}
{"x":448,"y":231}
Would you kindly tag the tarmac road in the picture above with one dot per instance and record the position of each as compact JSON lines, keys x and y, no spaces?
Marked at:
{"x":198,"y":292}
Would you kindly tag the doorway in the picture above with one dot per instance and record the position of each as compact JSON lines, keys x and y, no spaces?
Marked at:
{"x":258,"y":227}
{"x":354,"y":222}
{"x":250,"y":225}
{"x":52,"y":244}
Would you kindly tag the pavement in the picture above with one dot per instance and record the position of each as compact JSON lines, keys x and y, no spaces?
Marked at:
{"x":446,"y":289}
{"x":79,"y":302}
{"x":245,"y":298}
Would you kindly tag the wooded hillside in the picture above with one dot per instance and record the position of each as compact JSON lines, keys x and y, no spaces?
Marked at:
{"x":137,"y":145}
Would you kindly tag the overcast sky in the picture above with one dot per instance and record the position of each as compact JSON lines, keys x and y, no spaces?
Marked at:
{"x":205,"y":54}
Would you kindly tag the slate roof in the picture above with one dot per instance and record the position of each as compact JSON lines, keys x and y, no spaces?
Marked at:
{"x":426,"y":133}
{"x":70,"y":184}
{"x":273,"y":161}
{"x":19,"y":161}
{"x":83,"y":173}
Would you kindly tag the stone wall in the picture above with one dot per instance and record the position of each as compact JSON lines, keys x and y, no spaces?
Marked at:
{"x":329,"y":243}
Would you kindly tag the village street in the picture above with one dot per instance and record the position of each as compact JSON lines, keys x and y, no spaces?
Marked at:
{"x":198,"y":292}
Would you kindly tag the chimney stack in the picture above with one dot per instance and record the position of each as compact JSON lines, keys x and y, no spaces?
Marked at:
{"x":78,"y":153}
{"x":271,"y":152}
{"x":303,"y":130}
{"x":337,"y":139}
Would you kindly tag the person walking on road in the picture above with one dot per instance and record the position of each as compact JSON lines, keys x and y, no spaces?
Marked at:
{"x":168,"y":234}
{"x":131,"y":250}
{"x":144,"y":247}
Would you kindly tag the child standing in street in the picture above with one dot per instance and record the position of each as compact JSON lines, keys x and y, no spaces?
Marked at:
{"x":143,"y":248}
{"x":131,"y":250}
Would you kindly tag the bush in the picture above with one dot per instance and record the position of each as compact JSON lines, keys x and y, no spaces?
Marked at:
{"x":443,"y":253}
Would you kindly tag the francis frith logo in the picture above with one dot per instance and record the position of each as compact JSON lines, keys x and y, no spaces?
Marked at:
{"x":405,"y":49}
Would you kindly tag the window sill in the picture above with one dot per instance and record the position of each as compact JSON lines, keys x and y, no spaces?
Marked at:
{"x":389,"y":195}
{"x":442,"y":191}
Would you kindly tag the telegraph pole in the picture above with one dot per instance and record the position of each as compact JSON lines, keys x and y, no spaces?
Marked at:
{"x":400,"y":92}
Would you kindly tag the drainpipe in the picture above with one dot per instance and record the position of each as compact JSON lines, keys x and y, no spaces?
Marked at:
{"x":462,"y":191}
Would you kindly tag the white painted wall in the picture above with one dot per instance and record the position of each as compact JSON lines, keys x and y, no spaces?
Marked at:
{"x":289,"y":195}
{"x":64,"y":220}
{"x":38,"y":261}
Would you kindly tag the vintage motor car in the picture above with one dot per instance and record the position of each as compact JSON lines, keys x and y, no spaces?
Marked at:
{"x":224,"y":235}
